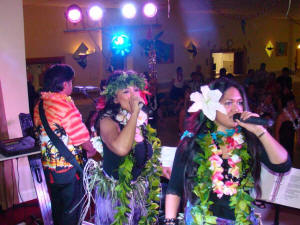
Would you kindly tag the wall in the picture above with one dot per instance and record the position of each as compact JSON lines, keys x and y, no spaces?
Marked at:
{"x":14,"y":91}
{"x":12,"y":64}
{"x":209,"y":32}
{"x":45,"y":37}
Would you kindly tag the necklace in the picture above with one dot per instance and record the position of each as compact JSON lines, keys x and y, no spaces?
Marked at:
{"x":296,"y":125}
{"x":226,"y":185}
{"x":210,"y":176}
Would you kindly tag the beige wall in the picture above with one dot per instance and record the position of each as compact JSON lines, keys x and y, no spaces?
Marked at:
{"x":210,"y":32}
{"x":45,"y":37}
{"x":12,"y":64}
{"x":14,"y":91}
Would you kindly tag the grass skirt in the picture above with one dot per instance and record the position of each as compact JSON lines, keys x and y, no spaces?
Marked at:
{"x":106,"y":201}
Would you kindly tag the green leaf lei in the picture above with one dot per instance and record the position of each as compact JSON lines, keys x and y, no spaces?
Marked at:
{"x":122,"y":82}
{"x":151,"y":172}
{"x":240,"y":202}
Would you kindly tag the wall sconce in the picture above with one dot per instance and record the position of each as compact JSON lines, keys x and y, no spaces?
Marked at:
{"x":81,"y":53}
{"x":269,"y":48}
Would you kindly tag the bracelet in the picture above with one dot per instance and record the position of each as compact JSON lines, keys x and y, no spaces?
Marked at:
{"x":171,"y":221}
{"x":262,"y":133}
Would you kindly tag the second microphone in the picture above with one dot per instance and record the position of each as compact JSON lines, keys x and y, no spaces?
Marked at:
{"x":254,"y":120}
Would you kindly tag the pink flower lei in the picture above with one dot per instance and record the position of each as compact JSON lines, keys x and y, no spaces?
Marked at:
{"x":229,"y":185}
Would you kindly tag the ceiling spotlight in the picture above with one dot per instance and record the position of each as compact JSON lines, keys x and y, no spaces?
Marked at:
{"x":121,"y":44}
{"x":129,"y":11}
{"x":150,"y":9}
{"x":95,"y":13}
{"x":74,"y":14}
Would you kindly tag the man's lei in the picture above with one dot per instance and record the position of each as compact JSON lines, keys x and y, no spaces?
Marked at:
{"x":122,"y":82}
{"x":210,"y":171}
{"x":151,"y":172}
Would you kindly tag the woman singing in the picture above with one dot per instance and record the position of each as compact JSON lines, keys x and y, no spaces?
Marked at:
{"x":217,"y":162}
{"x":127,"y":186}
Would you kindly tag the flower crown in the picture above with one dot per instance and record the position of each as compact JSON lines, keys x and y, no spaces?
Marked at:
{"x":208,"y":102}
{"x":122,"y":82}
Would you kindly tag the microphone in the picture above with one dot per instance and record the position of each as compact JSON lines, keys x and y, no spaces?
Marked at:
{"x":254,"y":120}
{"x":146,"y":109}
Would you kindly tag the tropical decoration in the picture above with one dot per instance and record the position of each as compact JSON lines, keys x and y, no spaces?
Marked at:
{"x":269,"y":48}
{"x":163,"y":51}
{"x":80,"y":55}
{"x":192,"y":49}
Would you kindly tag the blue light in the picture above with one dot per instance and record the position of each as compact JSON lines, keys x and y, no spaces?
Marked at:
{"x":121,"y":44}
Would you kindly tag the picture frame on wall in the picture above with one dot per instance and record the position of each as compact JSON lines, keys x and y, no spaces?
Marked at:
{"x":281,"y":48}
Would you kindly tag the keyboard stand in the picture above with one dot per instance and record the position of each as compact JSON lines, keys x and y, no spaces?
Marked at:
{"x":41,"y":188}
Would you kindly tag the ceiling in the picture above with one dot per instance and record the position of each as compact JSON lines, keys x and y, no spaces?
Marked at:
{"x":246,"y":9}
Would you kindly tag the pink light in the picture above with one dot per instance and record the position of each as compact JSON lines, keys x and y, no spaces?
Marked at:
{"x":95,"y":13}
{"x":129,"y":11}
{"x":74,"y":14}
{"x":150,"y":10}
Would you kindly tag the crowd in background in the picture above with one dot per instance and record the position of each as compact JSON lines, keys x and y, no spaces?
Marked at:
{"x":270,"y":96}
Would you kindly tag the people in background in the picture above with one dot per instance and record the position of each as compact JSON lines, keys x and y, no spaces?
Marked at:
{"x":197,"y":79}
{"x":253,"y":97}
{"x":64,"y":181}
{"x":218,"y":159}
{"x":250,"y":77}
{"x":288,"y":124}
{"x":266,"y":106}
{"x":177,"y":85}
{"x":284,"y":80}
{"x":223,"y":72}
{"x":261,"y":76}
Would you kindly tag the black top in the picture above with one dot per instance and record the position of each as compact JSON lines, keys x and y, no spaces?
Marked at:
{"x":286,"y":136}
{"x":220,"y":208}
{"x":141,"y":153}
{"x":112,"y":161}
{"x":285,"y":81}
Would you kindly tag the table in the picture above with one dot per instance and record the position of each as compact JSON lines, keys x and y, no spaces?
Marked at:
{"x":39,"y":181}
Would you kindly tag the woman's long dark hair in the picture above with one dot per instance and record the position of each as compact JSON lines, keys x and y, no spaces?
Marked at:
{"x":197,"y":124}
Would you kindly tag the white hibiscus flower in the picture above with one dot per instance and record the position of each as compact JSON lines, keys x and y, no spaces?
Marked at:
{"x":208,"y":102}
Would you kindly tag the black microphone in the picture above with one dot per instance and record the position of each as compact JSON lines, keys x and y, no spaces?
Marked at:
{"x":146,"y":109}
{"x":254,"y":120}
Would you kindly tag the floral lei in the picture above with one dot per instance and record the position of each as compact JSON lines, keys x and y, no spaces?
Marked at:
{"x":210,"y":176}
{"x":151,"y":171}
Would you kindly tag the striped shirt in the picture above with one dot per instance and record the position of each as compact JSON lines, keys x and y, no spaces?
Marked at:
{"x":66,"y":122}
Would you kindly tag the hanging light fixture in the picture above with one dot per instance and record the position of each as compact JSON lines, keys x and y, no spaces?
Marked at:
{"x":95,"y":13}
{"x":150,"y":9}
{"x":129,"y":10}
{"x":74,"y":13}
